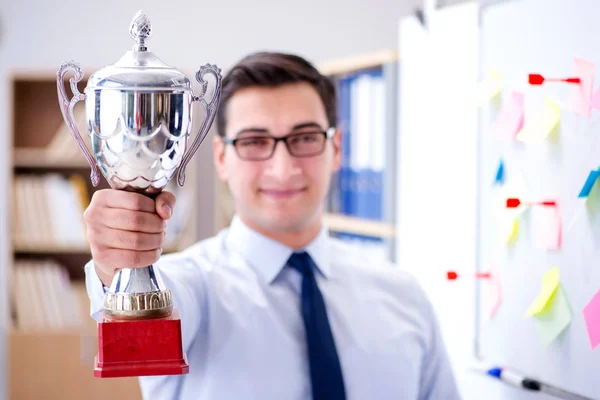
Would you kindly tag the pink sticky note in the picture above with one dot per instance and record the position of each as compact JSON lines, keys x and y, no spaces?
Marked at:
{"x":495,"y":294}
{"x":491,"y":290}
{"x":591,"y":314}
{"x":548,"y":227}
{"x":511,"y":117}
{"x":558,"y":225}
{"x":581,"y":102}
{"x":596,"y":99}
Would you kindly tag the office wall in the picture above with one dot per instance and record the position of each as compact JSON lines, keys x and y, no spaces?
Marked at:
{"x":40,"y":35}
{"x":436,"y":205}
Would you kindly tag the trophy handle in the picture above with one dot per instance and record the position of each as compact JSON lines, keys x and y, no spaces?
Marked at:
{"x":211,"y":110}
{"x":66,"y":106}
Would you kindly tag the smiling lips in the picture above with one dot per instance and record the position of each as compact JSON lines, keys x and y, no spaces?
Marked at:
{"x":281,"y":193}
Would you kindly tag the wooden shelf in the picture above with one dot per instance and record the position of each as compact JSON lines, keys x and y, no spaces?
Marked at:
{"x":362,"y":62}
{"x":46,"y":75}
{"x":358,"y":226}
{"x":46,"y":365}
{"x":24,"y":332}
{"x":38,"y":158}
{"x":49,"y":248}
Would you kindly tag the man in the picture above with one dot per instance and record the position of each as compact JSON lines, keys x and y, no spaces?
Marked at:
{"x":271,"y":307}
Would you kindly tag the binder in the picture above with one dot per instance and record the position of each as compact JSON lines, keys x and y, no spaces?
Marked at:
{"x":362,"y":121}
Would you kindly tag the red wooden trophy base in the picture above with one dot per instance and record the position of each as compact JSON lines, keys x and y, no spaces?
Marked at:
{"x":140,"y":348}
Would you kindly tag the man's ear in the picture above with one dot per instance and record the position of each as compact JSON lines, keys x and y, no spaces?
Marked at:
{"x":219,"y":158}
{"x":337,"y":150}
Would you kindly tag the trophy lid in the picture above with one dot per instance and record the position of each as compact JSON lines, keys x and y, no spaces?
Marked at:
{"x":139,"y":69}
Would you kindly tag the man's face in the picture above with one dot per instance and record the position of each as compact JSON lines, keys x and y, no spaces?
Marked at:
{"x":283,"y":193}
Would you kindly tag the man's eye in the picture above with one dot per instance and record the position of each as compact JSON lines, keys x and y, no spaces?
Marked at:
{"x":254,"y":142}
{"x":306,"y":138}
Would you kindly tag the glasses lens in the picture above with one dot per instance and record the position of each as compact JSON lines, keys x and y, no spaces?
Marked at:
{"x":306,"y":144}
{"x":254,"y":148}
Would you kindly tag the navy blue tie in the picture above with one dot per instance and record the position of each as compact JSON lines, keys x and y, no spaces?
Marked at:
{"x":325,"y":371}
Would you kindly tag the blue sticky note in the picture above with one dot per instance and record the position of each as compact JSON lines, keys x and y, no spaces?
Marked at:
{"x":500,"y":172}
{"x":589,"y":183}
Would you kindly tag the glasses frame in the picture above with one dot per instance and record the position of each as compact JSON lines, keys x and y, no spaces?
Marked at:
{"x":329,"y":133}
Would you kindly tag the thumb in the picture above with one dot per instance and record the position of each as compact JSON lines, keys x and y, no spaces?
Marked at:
{"x":165,"y":203}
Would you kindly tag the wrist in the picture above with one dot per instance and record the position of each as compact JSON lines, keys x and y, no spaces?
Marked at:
{"x":104,"y":278}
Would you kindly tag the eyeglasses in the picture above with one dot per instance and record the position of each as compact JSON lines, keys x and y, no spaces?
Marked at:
{"x":260,"y":148}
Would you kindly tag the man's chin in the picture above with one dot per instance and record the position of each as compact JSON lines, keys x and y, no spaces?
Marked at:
{"x":286,"y":222}
{"x":286,"y":226}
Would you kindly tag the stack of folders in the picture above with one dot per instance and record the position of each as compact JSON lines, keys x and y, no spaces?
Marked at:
{"x":43,"y":297}
{"x":48,"y":212}
{"x":358,"y":189}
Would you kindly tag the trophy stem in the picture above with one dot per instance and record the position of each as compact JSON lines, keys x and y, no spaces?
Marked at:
{"x":137,"y":293}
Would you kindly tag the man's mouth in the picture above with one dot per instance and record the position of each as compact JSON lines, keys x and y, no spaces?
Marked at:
{"x":281,"y":193}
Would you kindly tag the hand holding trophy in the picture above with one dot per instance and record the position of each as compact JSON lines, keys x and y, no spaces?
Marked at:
{"x":139,"y":119}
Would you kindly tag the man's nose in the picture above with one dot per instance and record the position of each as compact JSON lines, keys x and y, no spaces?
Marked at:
{"x":282,"y":163}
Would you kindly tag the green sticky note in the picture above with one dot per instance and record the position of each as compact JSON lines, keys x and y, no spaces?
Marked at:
{"x":555,"y":317}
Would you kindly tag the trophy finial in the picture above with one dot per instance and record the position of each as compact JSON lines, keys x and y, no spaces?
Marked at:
{"x":140,"y":30}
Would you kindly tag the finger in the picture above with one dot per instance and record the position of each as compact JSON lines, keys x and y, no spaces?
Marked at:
{"x":165,"y":204}
{"x":127,"y":240}
{"x":127,"y":200}
{"x":135,"y":221}
{"x":118,"y":258}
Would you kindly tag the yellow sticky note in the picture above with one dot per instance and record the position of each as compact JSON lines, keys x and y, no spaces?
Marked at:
{"x":489,"y":87}
{"x":542,"y":123}
{"x":550,"y":282}
{"x":513,"y":231}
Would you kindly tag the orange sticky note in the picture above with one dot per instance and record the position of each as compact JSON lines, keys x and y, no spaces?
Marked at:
{"x":511,"y":117}
{"x":581,"y":102}
{"x":543,"y":122}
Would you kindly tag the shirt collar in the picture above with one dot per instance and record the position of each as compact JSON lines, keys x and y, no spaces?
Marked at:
{"x":267,"y":256}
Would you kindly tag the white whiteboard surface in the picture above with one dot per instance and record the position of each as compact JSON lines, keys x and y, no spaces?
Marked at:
{"x":517,"y":38}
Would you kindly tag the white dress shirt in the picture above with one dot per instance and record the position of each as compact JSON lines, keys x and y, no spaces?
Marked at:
{"x":243,"y":331}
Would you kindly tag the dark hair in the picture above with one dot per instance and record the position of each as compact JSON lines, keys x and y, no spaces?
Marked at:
{"x":268,"y":69}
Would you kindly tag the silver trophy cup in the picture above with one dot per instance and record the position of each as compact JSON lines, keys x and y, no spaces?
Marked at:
{"x":139,"y":119}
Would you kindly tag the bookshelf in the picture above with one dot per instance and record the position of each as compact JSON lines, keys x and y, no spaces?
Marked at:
{"x":361,"y":200}
{"x":340,"y":223}
{"x":52,"y":340}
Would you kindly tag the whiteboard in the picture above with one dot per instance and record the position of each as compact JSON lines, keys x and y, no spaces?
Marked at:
{"x":518,"y":38}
